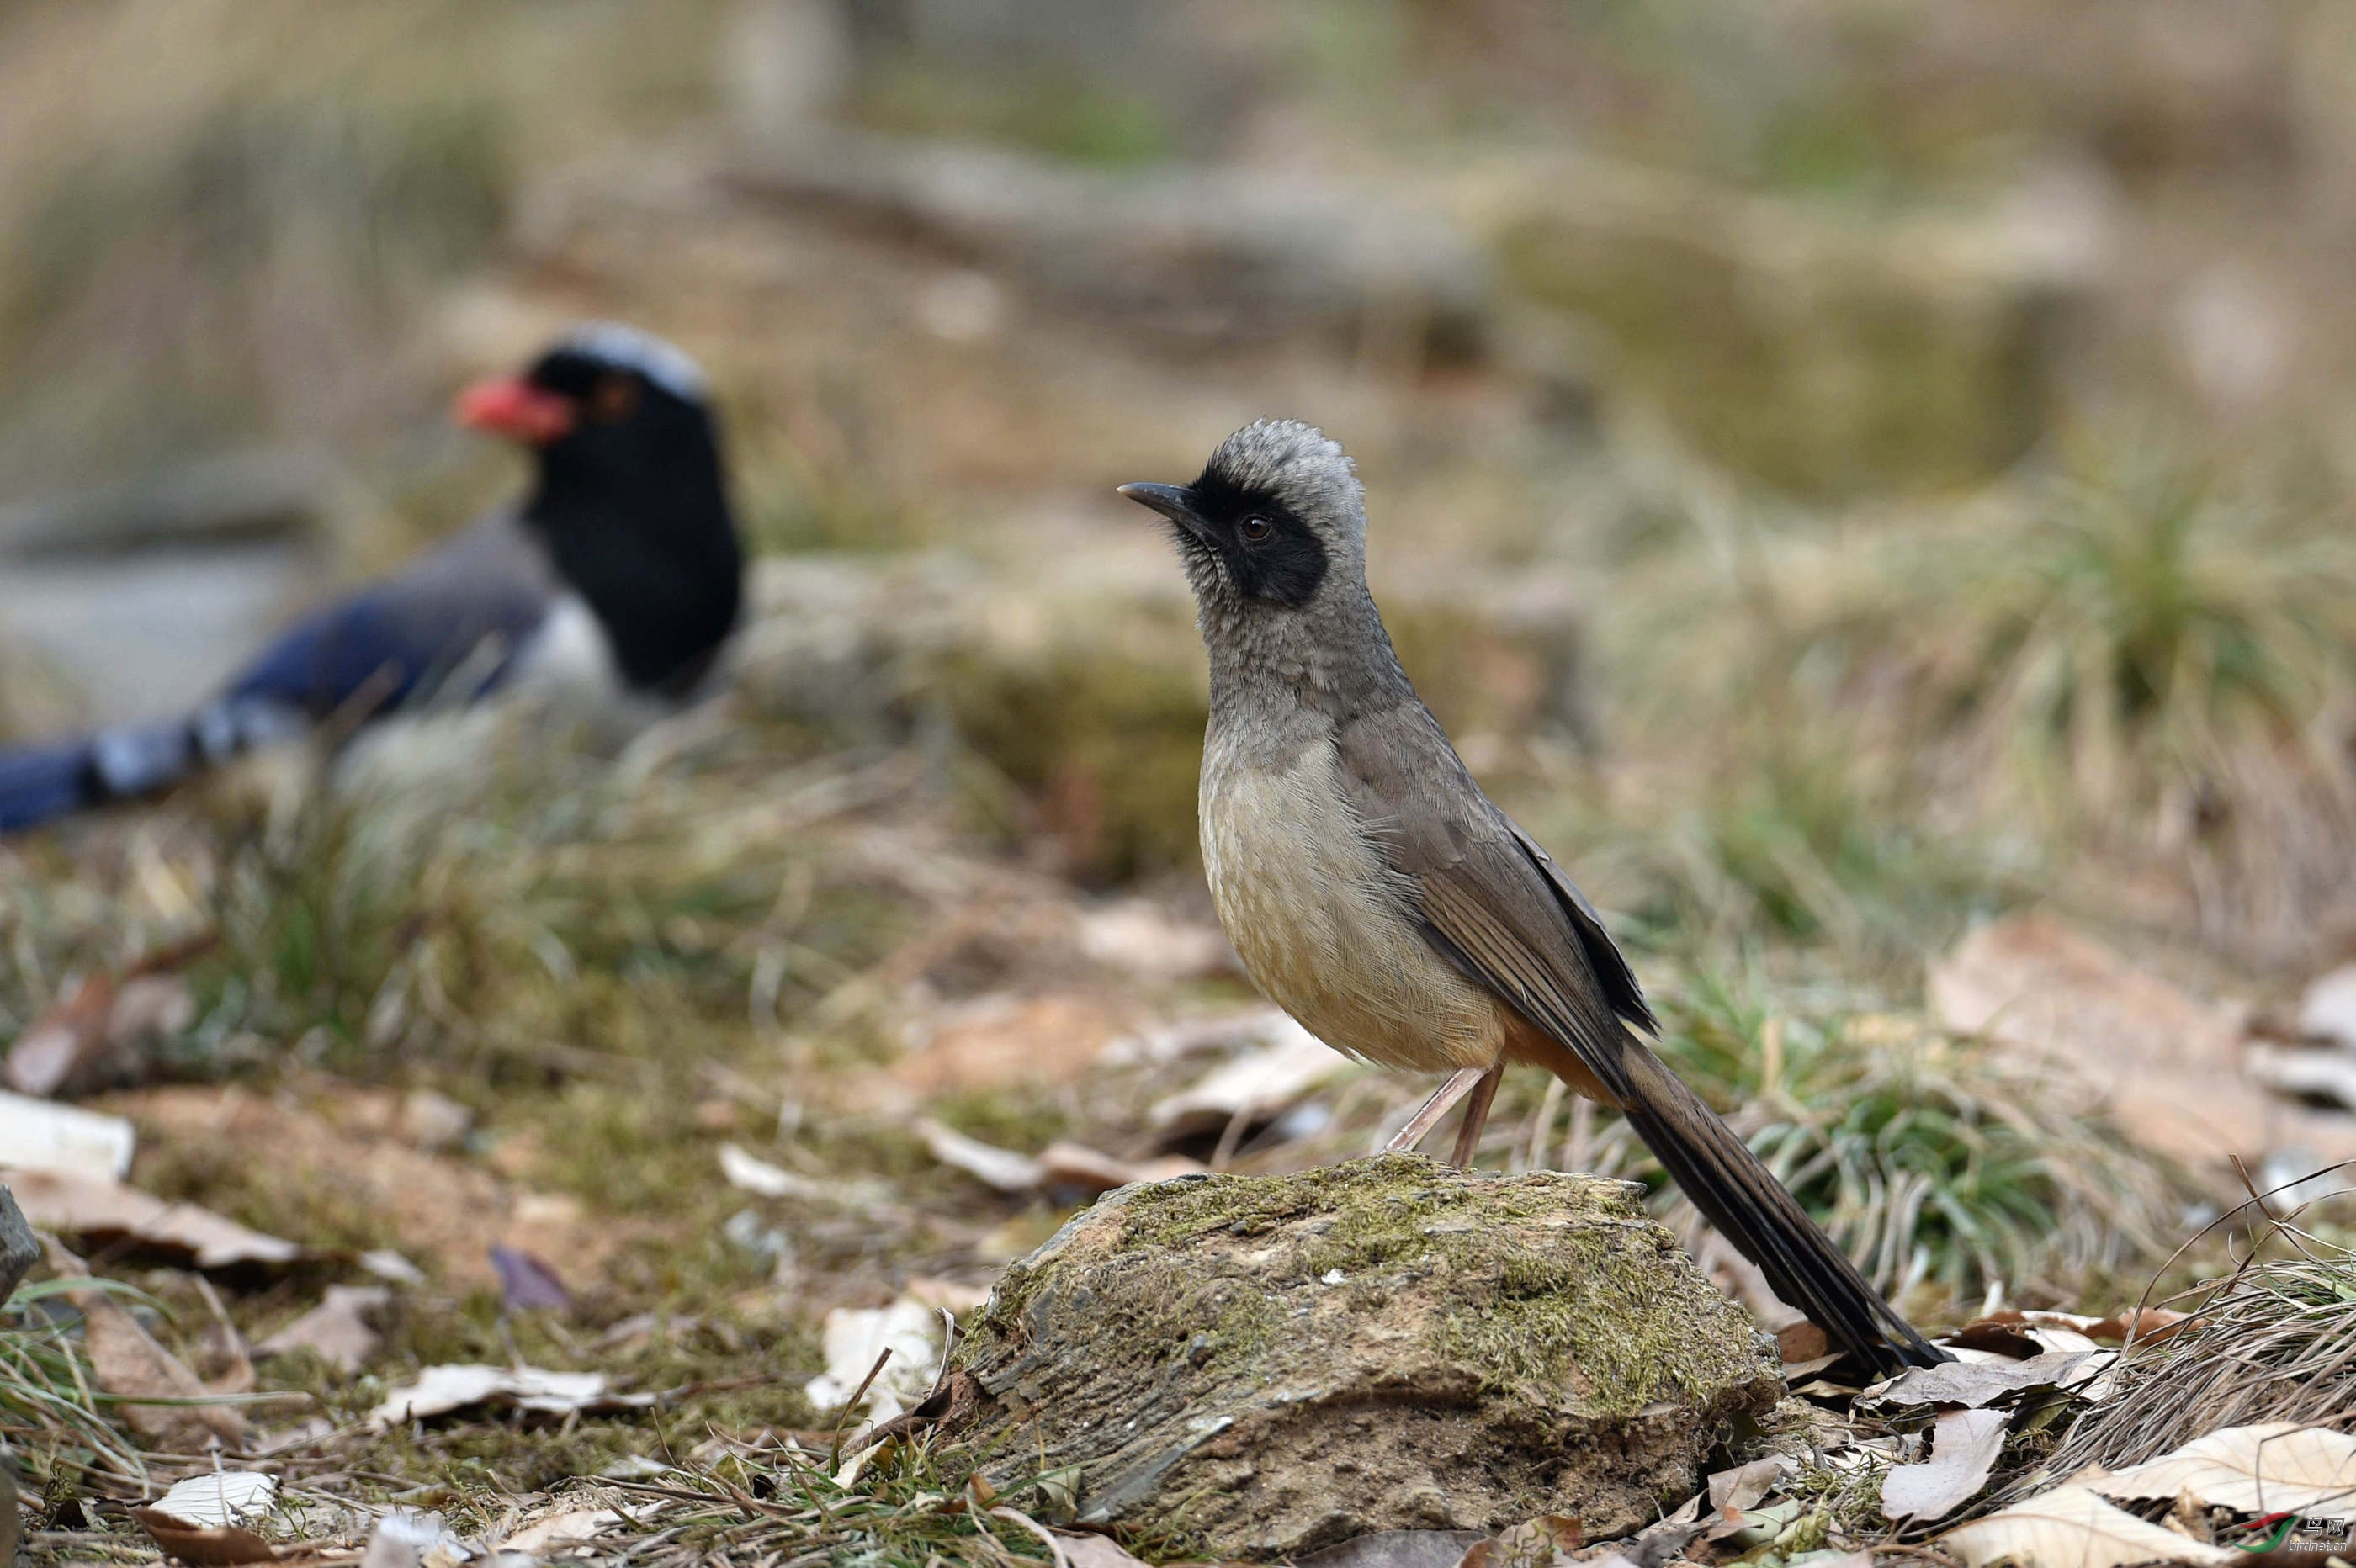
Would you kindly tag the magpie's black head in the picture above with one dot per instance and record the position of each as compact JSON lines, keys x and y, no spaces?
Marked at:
{"x":1272,"y":514}
{"x":604,"y":406}
{"x":632,"y":497}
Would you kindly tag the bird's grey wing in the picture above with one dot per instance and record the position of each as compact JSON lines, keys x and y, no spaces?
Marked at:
{"x":1603,"y":955}
{"x":1493,"y":903}
{"x":1499,"y":913}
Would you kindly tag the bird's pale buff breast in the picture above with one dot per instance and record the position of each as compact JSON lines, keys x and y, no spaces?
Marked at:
{"x":1322,"y":925}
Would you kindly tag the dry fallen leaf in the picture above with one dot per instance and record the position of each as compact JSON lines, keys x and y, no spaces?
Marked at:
{"x":987,"y":1163}
{"x":100,"y":1033}
{"x":1543,"y":1541}
{"x":128,"y":1363}
{"x":440,"y":1389}
{"x":1803,"y":1344}
{"x":219,"y":1497}
{"x":1000,"y":1040}
{"x":1062,"y":1164}
{"x":571,"y":1528}
{"x":337,"y":1329}
{"x":386,"y":1263}
{"x":222,"y":1358}
{"x":749,"y":1173}
{"x":1976,"y":1383}
{"x":405,"y":1538}
{"x":67,"y":1041}
{"x":1094,"y":1551}
{"x":2167,"y":1062}
{"x":433,"y":1121}
{"x":207,"y":1546}
{"x":2278,"y":1467}
{"x":1538,"y":1542}
{"x":2305,"y":1075}
{"x":1398,"y":1549}
{"x":1733,"y":1493}
{"x":1146,"y":941}
{"x":2145,"y":1325}
{"x":854,"y":1337}
{"x":1965,"y":1446}
{"x":2070,"y":1527}
{"x":37,"y":1134}
{"x":1066,"y":1164}
{"x":1263,"y":1084}
{"x":526,"y":1283}
{"x":2327,"y":1009}
{"x":109,"y":1214}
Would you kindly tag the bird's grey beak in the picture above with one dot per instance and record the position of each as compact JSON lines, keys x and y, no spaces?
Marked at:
{"x":1173,"y":501}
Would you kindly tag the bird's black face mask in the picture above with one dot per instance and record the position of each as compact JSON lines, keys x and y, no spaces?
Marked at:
{"x":1256,"y":543}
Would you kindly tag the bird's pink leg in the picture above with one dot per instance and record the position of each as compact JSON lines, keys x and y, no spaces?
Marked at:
{"x":1476,"y":1115}
{"x":1426,"y":1115}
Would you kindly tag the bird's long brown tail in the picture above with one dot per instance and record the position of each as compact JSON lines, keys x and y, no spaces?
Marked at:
{"x":1737,"y":1193}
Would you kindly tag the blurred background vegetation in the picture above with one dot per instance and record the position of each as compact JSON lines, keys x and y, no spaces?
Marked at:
{"x":1948,"y":408}
{"x":1843,"y":469}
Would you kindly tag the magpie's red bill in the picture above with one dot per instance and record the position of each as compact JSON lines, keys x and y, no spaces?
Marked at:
{"x":512,"y":407}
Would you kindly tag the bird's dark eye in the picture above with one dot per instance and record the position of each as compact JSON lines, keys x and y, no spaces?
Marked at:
{"x":613,"y":400}
{"x":1257,"y":528}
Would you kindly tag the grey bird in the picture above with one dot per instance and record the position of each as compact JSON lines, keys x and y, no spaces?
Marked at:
{"x":1380,"y":897}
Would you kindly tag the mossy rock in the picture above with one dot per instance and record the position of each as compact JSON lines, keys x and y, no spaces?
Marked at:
{"x":1259,"y":1366}
{"x":1827,"y":358}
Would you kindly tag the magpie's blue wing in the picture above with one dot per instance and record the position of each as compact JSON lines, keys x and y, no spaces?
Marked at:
{"x":450,"y":624}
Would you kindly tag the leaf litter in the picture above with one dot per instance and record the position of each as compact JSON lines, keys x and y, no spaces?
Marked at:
{"x":442,"y":1389}
{"x":1965,"y":1446}
{"x":489,"y":1388}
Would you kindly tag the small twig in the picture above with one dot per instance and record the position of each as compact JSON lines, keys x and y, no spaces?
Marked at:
{"x":296,"y":1445}
{"x":948,"y":1344}
{"x":834,"y":1455}
{"x":1231,"y":1136}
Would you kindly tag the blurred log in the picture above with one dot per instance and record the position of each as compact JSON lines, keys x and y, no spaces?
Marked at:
{"x":269,"y":492}
{"x":136,"y":599}
{"x":1200,"y":252}
{"x":1827,"y":354}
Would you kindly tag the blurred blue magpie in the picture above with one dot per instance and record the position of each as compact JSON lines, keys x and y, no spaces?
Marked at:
{"x":626,"y":536}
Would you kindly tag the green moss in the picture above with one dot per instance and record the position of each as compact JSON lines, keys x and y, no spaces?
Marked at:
{"x":1525,"y":1317}
{"x":1009,"y":1118}
{"x":484,"y":1462}
{"x":231,"y":1180}
{"x":1584,"y":1313}
{"x":1049,"y":109}
{"x":1383,"y":1210}
{"x":1589,"y":1313}
{"x":1848,"y":376}
{"x":1105,"y":745}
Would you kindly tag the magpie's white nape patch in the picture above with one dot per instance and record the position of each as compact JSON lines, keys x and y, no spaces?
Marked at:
{"x":630,"y":348}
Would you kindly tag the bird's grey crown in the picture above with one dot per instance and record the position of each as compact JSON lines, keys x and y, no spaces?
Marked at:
{"x":634,"y":349}
{"x":1298,"y":466}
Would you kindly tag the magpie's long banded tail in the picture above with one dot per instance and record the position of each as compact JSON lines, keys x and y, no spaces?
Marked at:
{"x":47,"y":780}
{"x":39,"y":783}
